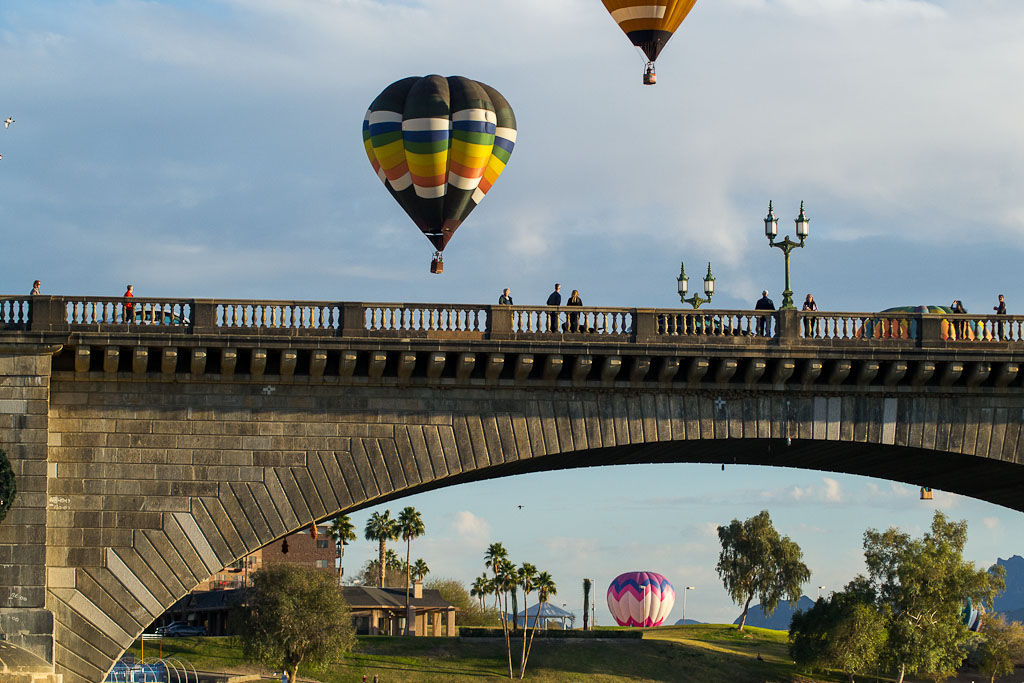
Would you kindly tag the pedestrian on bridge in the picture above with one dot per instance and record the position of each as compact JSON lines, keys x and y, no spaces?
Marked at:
{"x":35,"y":288}
{"x":554,"y":299}
{"x":574,"y":318}
{"x":129,"y":307}
{"x":764,"y":321}
{"x":810,"y":322}
{"x":506,"y":298}
{"x":1000,"y":309}
{"x":961,"y":326}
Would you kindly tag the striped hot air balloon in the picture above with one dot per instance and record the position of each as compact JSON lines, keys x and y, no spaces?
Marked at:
{"x":649,"y":24}
{"x":640,"y":599}
{"x":439,"y":144}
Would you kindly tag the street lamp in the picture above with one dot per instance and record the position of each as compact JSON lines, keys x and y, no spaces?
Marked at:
{"x":771,"y":231}
{"x":683,"y":283}
{"x":688,"y":588}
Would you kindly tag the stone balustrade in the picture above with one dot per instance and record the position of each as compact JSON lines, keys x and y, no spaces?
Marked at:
{"x":49,"y":314}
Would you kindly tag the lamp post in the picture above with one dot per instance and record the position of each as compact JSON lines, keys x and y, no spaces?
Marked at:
{"x":771,"y":231}
{"x":688,"y":588}
{"x":683,"y":283}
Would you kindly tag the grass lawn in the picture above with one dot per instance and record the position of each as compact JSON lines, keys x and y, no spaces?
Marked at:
{"x":698,"y":653}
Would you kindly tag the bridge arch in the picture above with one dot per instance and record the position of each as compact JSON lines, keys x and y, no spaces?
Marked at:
{"x":183,"y":482}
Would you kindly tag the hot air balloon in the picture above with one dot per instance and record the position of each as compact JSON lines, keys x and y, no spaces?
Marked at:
{"x":640,"y":599}
{"x":971,"y":615}
{"x":649,"y":24}
{"x":439,"y":144}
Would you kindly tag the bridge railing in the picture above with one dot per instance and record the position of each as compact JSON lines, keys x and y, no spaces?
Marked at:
{"x":480,"y":321}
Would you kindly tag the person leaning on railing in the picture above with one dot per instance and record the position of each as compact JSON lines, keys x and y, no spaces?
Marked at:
{"x":810,"y":322}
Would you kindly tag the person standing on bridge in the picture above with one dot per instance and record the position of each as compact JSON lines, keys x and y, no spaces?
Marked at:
{"x":35,"y":288}
{"x":574,"y":318}
{"x":554,"y":299}
{"x":960,"y":326}
{"x":764,"y":321}
{"x":810,"y":322}
{"x":1001,"y":310}
{"x":129,"y":307}
{"x":506,"y":298}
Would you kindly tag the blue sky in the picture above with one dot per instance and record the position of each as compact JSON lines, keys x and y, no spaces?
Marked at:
{"x":213,"y":149}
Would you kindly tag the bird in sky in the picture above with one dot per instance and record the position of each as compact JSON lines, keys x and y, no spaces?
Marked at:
{"x":520,"y":507}
{"x":7,"y":122}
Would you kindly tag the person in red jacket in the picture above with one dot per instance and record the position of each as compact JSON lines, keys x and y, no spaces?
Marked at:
{"x":129,"y":307}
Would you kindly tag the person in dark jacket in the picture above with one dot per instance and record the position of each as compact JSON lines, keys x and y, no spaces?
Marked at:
{"x":960,"y":326}
{"x":764,"y":322}
{"x":574,"y":318}
{"x":1001,"y":310}
{"x":506,"y":298}
{"x":554,"y":299}
{"x":810,"y":323}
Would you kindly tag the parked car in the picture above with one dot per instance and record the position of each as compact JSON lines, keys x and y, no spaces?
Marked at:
{"x":158,"y":317}
{"x":177,"y":629}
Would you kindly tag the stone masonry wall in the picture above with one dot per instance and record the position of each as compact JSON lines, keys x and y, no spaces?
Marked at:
{"x":154,"y":485}
{"x":24,"y":398}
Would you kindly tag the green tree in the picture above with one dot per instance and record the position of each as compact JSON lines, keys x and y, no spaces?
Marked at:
{"x":481,"y":588}
{"x":757,"y":561}
{"x":381,"y":528}
{"x":471,"y":613}
{"x":526,"y":577}
{"x":920,"y":585}
{"x":411,"y":526}
{"x":1002,"y":644}
{"x":394,"y":576}
{"x":293,"y":616}
{"x":545,"y":586}
{"x":420,"y":569}
{"x":495,"y":554}
{"x":342,"y":530}
{"x":844,"y":632}
{"x":8,"y":486}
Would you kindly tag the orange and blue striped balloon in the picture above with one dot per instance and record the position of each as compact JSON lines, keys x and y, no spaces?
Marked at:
{"x":649,"y":23}
{"x":439,"y":144}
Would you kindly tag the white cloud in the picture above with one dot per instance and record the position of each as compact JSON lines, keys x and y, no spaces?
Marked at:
{"x":470,"y":528}
{"x":991,"y":523}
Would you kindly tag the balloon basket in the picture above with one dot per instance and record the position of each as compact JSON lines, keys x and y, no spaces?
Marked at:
{"x":650,"y":78}
{"x":436,"y":265}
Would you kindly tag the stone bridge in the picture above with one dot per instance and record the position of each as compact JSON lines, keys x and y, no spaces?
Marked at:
{"x":155,"y":443}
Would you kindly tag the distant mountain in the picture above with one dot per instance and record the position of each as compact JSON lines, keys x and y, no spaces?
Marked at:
{"x":1011,"y":600}
{"x":780,"y":618}
{"x":688,"y":621}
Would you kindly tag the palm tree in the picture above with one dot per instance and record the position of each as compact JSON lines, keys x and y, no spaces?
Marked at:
{"x":342,"y":530}
{"x":411,"y":525}
{"x":381,"y":528}
{"x":481,"y":588}
{"x":545,"y":587}
{"x":493,"y":558}
{"x":527,"y":576}
{"x":420,"y":569}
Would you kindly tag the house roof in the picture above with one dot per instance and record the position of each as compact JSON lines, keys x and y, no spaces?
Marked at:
{"x":370,"y":597}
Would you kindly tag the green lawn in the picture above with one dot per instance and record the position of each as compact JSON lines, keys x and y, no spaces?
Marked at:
{"x":676,"y":653}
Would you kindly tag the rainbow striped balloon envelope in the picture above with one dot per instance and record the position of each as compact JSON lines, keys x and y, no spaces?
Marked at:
{"x":439,"y":144}
{"x":640,"y":599}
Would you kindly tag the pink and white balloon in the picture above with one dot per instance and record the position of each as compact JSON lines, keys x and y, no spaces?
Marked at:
{"x":640,"y":599}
